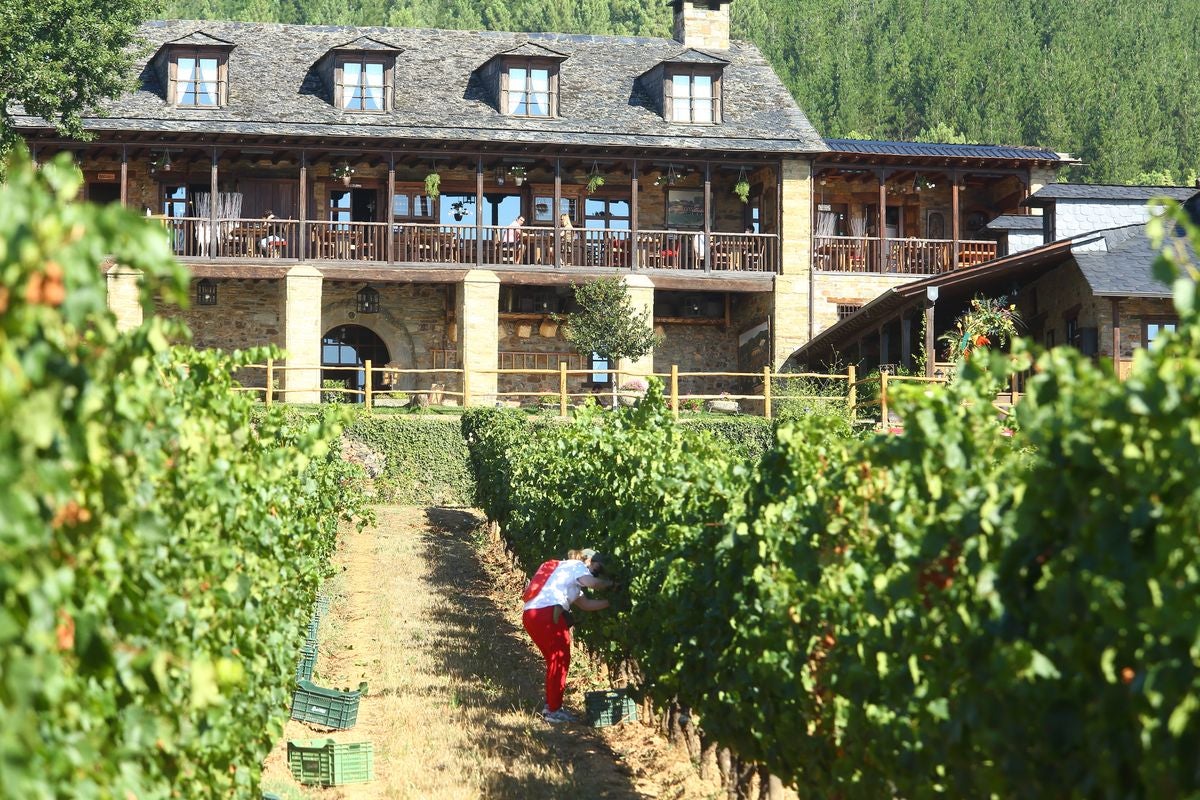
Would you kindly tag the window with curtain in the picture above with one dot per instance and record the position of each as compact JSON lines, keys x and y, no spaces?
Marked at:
{"x":362,"y":85}
{"x":530,"y":89}
{"x":197,"y":80}
{"x":693,"y":97}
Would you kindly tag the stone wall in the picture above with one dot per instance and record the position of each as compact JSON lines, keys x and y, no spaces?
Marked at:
{"x":833,"y":288}
{"x":541,"y":335}
{"x":699,"y":348}
{"x":697,"y":25}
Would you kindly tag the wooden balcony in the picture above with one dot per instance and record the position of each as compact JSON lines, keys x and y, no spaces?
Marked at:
{"x":250,"y":240}
{"x":868,"y":254}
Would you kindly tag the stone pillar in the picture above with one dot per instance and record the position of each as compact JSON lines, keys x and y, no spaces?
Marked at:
{"x":124,"y":296}
{"x":641,"y":297}
{"x":791,"y":325}
{"x":1039,"y":177}
{"x":479,"y":334}
{"x":302,"y":334}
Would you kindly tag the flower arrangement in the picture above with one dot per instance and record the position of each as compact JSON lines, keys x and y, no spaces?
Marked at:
{"x":986,"y":322}
{"x":518,"y":174}
{"x":344,"y":171}
{"x":635,"y":385}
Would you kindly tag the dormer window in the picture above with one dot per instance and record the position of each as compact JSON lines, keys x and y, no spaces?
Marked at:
{"x":198,"y":78}
{"x":529,"y":88}
{"x":693,"y":95}
{"x":361,"y":84}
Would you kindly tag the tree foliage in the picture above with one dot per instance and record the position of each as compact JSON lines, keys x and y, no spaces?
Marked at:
{"x":607,"y":323}
{"x":159,"y":552}
{"x":59,"y":58}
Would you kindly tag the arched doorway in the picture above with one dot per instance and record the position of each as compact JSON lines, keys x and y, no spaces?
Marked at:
{"x":344,"y":351}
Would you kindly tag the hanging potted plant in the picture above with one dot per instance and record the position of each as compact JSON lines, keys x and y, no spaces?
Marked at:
{"x":345,"y":172}
{"x":988,"y":321}
{"x":433,"y":185}
{"x":594,"y":179}
{"x":742,"y":187}
{"x":518,"y":174}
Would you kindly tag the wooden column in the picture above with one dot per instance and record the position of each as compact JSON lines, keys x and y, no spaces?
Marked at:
{"x":634,"y":224}
{"x":124,"y":177}
{"x":1116,"y":340}
{"x":391,"y":214}
{"x":881,"y":258}
{"x":778,"y":265}
{"x":954,"y":219}
{"x":930,"y":351}
{"x":212,"y":208}
{"x":707,"y":216}
{"x":906,"y":339}
{"x":303,"y":204}
{"x":478,"y":214}
{"x":557,"y":213}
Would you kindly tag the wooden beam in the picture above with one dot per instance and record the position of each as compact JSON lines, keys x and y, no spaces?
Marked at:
{"x":391,"y":210}
{"x":213,"y":239}
{"x":124,"y":178}
{"x":881,"y":256}
{"x":556,"y":212}
{"x":634,"y":222}
{"x":954,"y":216}
{"x":930,"y":352}
{"x":303,"y":205}
{"x":479,"y":210}
{"x":707,"y":217}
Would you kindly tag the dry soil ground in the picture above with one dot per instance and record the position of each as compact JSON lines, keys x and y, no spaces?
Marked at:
{"x":429,"y":616}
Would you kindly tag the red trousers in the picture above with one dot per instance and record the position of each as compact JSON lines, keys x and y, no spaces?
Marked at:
{"x":554,"y":640}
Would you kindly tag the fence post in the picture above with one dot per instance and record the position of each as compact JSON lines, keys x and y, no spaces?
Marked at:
{"x":675,"y":390}
{"x":466,"y":387}
{"x":367,"y":385}
{"x":562,"y":388}
{"x":270,"y":380}
{"x":767,"y":390}
{"x":852,"y":395}
{"x":883,"y":411}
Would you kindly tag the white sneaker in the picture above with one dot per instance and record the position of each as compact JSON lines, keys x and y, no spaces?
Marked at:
{"x":558,"y":716}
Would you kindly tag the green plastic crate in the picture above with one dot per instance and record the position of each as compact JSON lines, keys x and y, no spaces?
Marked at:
{"x":327,"y":707}
{"x":609,"y":708}
{"x":307,"y":663}
{"x":271,"y":796}
{"x":324,"y":762}
{"x":310,"y":636}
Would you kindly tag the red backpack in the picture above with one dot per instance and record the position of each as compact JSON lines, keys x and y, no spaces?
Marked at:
{"x":538,"y":580}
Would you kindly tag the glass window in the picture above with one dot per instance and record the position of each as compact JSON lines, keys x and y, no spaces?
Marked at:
{"x":1155,"y":329}
{"x":400,"y":205}
{"x":196,"y":81}
{"x":341,"y":208}
{"x":362,"y":85}
{"x":529,"y":90}
{"x":693,"y":98}
{"x":603,"y":212}
{"x":412,"y":205}
{"x":599,"y":366}
{"x":543,"y":203}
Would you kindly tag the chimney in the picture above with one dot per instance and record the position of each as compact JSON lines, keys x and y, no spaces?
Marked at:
{"x":703,"y":24}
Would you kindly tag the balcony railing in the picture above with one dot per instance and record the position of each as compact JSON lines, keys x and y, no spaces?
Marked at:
{"x":491,"y":246}
{"x":898,"y":256}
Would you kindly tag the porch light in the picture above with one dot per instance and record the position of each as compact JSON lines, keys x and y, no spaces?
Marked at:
{"x":368,"y":300}
{"x":206,"y":293}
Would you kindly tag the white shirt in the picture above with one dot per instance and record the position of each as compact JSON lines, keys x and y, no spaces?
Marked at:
{"x":562,"y":587}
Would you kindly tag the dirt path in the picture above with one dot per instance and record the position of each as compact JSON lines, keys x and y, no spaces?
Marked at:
{"x":433,"y":625}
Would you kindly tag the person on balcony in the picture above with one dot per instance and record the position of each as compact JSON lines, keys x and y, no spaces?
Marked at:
{"x":549,"y":595}
{"x":512,"y":231}
{"x":270,"y":244}
{"x":567,"y":232}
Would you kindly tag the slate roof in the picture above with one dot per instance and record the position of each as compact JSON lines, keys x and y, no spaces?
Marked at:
{"x":1016,"y":222}
{"x":927,"y":149}
{"x":274,"y":90}
{"x":1097,"y":191}
{"x":1126,"y":269}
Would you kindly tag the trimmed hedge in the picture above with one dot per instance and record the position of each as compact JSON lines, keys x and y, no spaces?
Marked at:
{"x":424,"y":458}
{"x":749,"y":437}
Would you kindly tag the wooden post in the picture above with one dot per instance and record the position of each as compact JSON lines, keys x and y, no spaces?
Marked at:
{"x":883,"y":404}
{"x":213,"y":239}
{"x":367,"y":386}
{"x":466,"y":385}
{"x":270,"y":380}
{"x":1116,"y":340}
{"x":906,"y":339}
{"x":303,"y":205}
{"x":930,"y":347}
{"x":557,"y":213}
{"x":562,"y":388}
{"x":707,"y":216}
{"x":634,"y":223}
{"x":954,"y":214}
{"x":675,"y":390}
{"x":881,"y":258}
{"x":478,"y":223}
{"x":391,"y":217}
{"x":852,"y":395}
{"x":124,"y":177}
{"x":767,"y":390}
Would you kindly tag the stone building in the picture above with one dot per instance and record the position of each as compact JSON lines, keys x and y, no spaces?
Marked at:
{"x":426,"y":199}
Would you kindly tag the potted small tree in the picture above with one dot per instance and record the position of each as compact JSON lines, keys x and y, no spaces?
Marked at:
{"x":608,"y":325}
{"x":518,"y":174}
{"x":345,"y":172}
